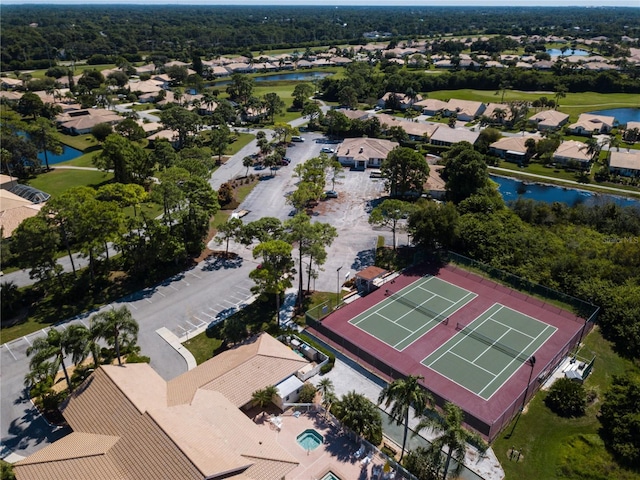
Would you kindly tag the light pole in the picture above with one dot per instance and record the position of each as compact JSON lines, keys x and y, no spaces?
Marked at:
{"x":532,"y":362}
{"x":338,"y":286}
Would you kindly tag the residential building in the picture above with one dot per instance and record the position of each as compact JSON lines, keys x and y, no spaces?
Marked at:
{"x":360,"y":153}
{"x":511,"y":148}
{"x":128,"y":422}
{"x":405,"y":101}
{"x":589,"y":124}
{"x":549,"y":120}
{"x":80,"y":122}
{"x":431,"y":106}
{"x":572,"y":152}
{"x":626,"y":163}
{"x":446,"y":136}
{"x":465,"y":110}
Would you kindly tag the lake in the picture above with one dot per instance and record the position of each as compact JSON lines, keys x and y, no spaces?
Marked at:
{"x":511,"y":189}
{"x":284,"y":76}
{"x":556,"y":52}
{"x":68,"y":153}
{"x":622,"y":115}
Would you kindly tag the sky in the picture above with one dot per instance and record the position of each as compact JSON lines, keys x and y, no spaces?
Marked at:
{"x":500,"y":3}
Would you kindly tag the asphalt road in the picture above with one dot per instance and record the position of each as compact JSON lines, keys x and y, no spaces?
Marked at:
{"x":189,"y":301}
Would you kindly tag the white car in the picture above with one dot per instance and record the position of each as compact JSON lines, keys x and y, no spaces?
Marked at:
{"x":326,"y":150}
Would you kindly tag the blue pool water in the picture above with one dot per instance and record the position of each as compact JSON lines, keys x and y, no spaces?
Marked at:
{"x":511,"y":189}
{"x":556,"y":52}
{"x":310,"y":439}
{"x":622,"y":115}
{"x":330,"y":476}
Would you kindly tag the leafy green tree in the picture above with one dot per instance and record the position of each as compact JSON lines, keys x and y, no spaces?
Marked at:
{"x":118,"y":327}
{"x":308,"y":237}
{"x":620,"y":418}
{"x":452,"y":436}
{"x":567,"y":398}
{"x":91,"y":79}
{"x":220,"y":139}
{"x":262,"y":230}
{"x":125,"y":195}
{"x":274,"y":104}
{"x":307,"y":393}
{"x":389,"y":214}
{"x":44,"y":135}
{"x":199,"y":205}
{"x":421,"y":463}
{"x":128,"y":160}
{"x":403,"y":394}
{"x":182,"y":121}
{"x":312,"y":111}
{"x":274,"y":273}
{"x":36,"y":243}
{"x":241,"y":88}
{"x":101,"y":131}
{"x":163,"y":154}
{"x":234,"y":329}
{"x":30,"y":104}
{"x":337,"y":122}
{"x":178,"y":74}
{"x":406,"y":172}
{"x":465,"y":172}
{"x":398,"y":134}
{"x":432,"y":224}
{"x":130,"y":129}
{"x":229,"y":230}
{"x":301,"y":93}
{"x":360,"y":415}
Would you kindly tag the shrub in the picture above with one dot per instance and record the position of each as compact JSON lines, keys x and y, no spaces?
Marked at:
{"x":567,"y":398}
{"x":307,"y":393}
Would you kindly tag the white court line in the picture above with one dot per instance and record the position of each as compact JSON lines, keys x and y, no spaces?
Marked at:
{"x":489,"y":347}
{"x":465,"y":302}
{"x":477,"y":366}
{"x":509,"y":364}
{"x":511,"y":328}
{"x":462,"y":337}
{"x":14,"y":357}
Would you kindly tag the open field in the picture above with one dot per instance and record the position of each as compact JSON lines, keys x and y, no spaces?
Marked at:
{"x":560,"y":448}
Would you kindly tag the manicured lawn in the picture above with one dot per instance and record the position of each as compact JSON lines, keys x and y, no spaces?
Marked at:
{"x":85,"y":160}
{"x":203,"y":347}
{"x":57,"y":181}
{"x":539,"y":169}
{"x":558,"y":448}
{"x":243,"y":140}
{"x":79,"y":142}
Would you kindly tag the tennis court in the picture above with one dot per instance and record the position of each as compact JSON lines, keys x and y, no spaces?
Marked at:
{"x":483,"y":355}
{"x":406,"y":315}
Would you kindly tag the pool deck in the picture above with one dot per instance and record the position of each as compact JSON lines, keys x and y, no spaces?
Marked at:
{"x":335,"y":455}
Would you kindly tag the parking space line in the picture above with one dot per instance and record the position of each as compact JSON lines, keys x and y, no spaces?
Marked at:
{"x":171,"y":286}
{"x":160,"y":293}
{"x":132,"y":305}
{"x":197,"y":318}
{"x":27,"y":340}
{"x":180,"y":326}
{"x":205,"y":313}
{"x":14,"y":357}
{"x":191,"y":273}
{"x":148,"y":300}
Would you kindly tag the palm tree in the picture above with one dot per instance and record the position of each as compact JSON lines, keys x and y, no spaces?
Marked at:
{"x":56,"y":345}
{"x":325,"y":387}
{"x":452,"y":435}
{"x":499,"y":114}
{"x":247,"y":162}
{"x":117,"y":326}
{"x":561,"y":92}
{"x":404,"y":393}
{"x":592,"y":148}
{"x":264,"y":396}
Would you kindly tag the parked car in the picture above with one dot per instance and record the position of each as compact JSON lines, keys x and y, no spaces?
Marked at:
{"x":227,"y":312}
{"x":331,"y":194}
{"x":326,"y":150}
{"x":296,"y":138}
{"x":285,"y":161}
{"x":259,"y":167}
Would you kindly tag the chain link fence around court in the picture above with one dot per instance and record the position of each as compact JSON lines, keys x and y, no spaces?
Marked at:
{"x":583,"y":312}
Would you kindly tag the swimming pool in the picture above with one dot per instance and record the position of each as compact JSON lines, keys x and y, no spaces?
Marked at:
{"x":310,"y":439}
{"x":330,"y":476}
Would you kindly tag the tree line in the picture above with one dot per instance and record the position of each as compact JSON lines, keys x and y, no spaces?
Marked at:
{"x":37,"y":36}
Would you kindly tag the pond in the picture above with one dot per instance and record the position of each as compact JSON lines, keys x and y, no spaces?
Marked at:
{"x":622,"y":115}
{"x":284,"y":76}
{"x":68,"y":153}
{"x":556,"y":52}
{"x":511,"y":189}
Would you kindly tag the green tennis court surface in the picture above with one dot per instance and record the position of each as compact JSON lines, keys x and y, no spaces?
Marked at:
{"x":483,"y":355}
{"x":406,"y":315}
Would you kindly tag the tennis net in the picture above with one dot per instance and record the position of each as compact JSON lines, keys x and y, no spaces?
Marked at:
{"x":438,"y":317}
{"x":470,"y":332}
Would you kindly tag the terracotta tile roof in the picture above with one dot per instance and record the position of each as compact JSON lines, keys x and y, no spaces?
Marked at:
{"x":629,"y":160}
{"x":370,"y":273}
{"x":365,"y":148}
{"x":206,"y":438}
{"x":234,"y":372}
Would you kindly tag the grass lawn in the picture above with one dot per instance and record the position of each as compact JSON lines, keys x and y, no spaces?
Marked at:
{"x":57,"y":181}
{"x":85,"y":160}
{"x":558,"y":448}
{"x":243,"y":140}
{"x":79,"y":142}
{"x":203,"y":347}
